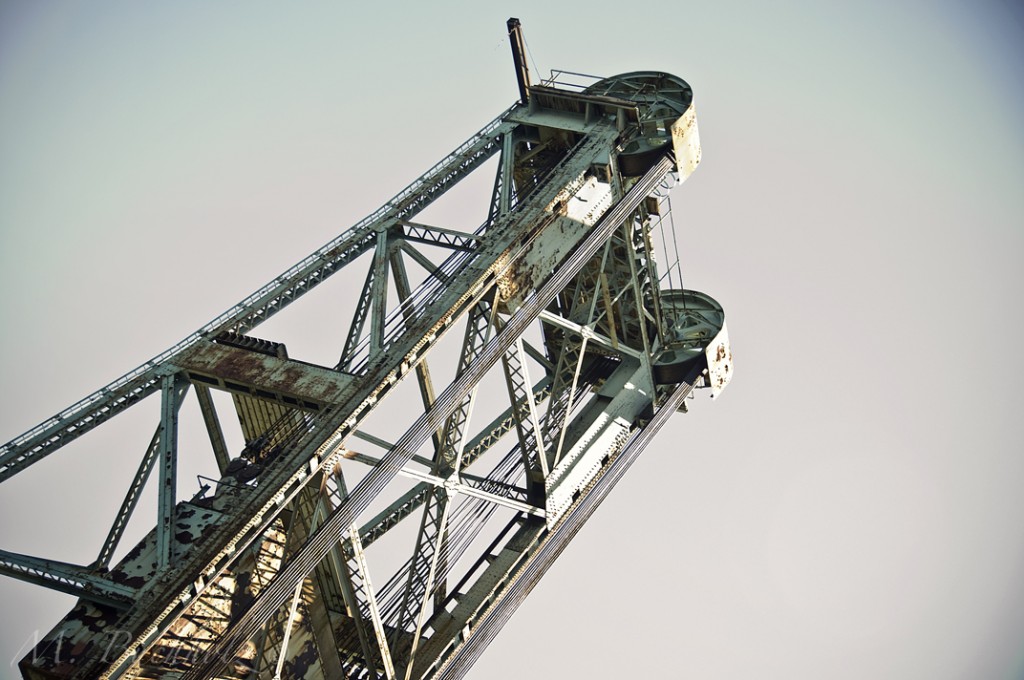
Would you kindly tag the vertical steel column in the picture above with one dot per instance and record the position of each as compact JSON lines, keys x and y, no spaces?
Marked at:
{"x":379,"y":291}
{"x":170,"y":402}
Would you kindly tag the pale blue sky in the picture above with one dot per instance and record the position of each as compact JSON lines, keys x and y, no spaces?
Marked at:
{"x":850,"y":508}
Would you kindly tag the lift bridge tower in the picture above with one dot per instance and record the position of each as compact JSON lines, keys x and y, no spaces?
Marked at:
{"x":544,"y":351}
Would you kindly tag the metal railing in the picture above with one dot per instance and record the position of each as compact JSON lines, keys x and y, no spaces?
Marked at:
{"x":570,"y":80}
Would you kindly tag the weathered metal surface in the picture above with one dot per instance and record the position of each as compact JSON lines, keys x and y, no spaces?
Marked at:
{"x":577,"y":212}
{"x":598,"y":433}
{"x":693,"y":321}
{"x":719,"y":355}
{"x":271,"y":579}
{"x":92,"y":628}
{"x":686,"y":143}
{"x":293,"y":383}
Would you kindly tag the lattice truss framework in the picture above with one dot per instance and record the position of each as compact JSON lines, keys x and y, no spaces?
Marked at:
{"x":541,"y":358}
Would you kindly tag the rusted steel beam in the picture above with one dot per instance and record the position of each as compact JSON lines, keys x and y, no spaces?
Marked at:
{"x":292,"y":383}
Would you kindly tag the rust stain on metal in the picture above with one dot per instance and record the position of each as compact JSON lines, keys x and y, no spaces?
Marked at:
{"x":719,"y":355}
{"x":261,"y":375}
{"x":686,"y":143}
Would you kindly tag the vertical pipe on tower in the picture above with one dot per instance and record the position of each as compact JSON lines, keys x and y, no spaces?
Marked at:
{"x":515,"y":37}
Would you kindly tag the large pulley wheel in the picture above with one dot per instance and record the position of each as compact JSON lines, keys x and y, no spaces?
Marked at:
{"x":692,"y":320}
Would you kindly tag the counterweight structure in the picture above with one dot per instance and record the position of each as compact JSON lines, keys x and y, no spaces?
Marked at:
{"x":569,"y":343}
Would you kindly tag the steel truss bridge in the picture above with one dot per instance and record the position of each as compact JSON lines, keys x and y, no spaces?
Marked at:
{"x":544,"y":350}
